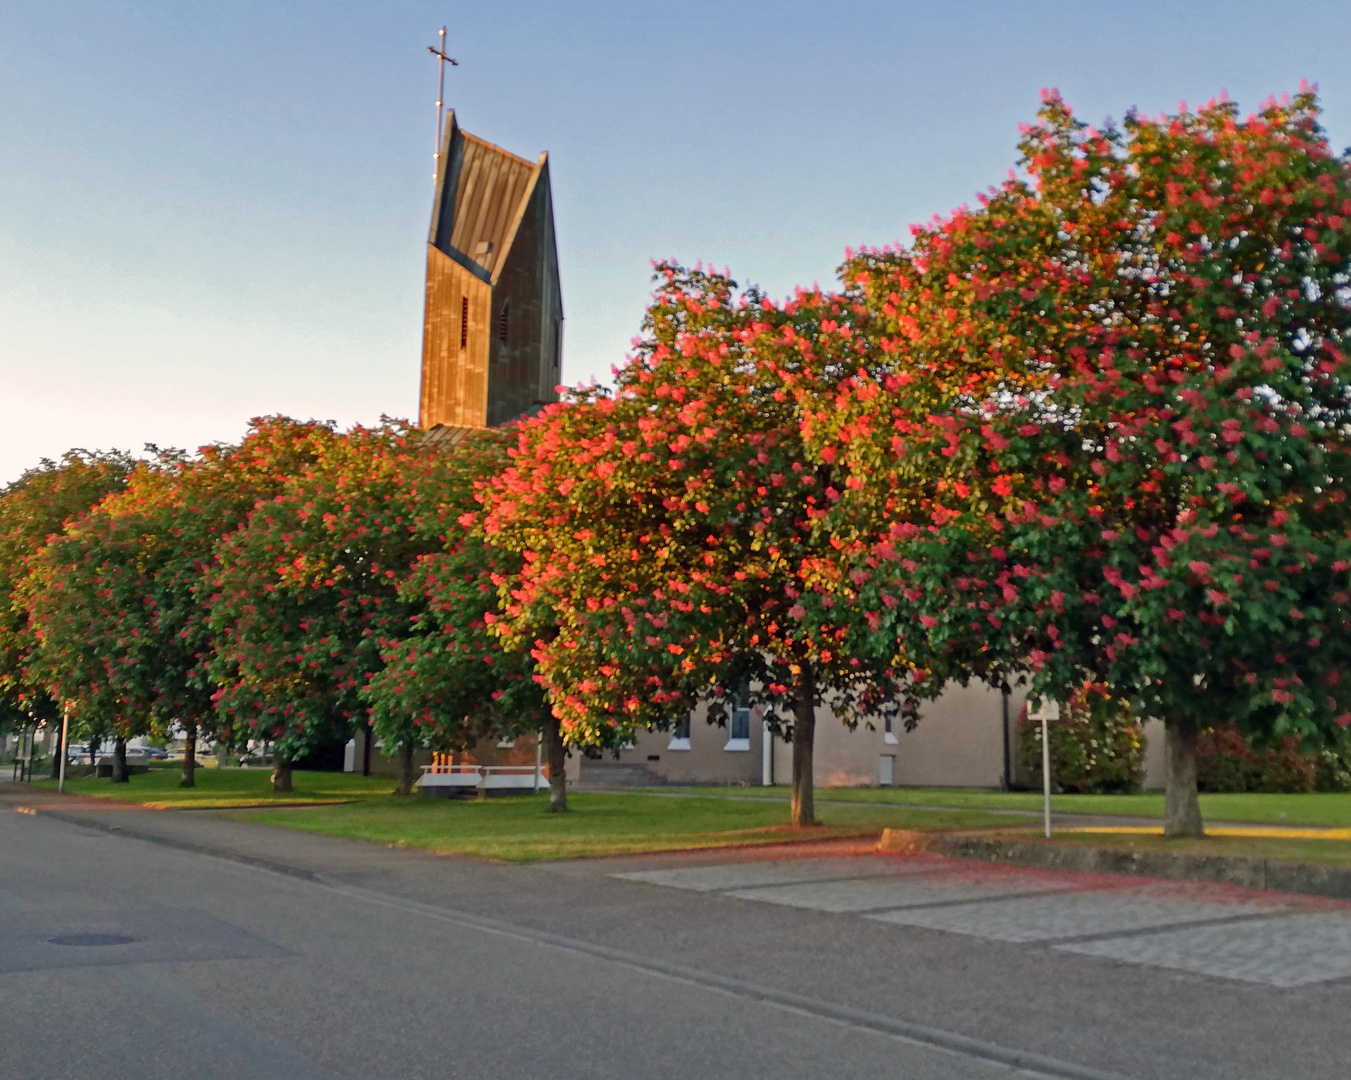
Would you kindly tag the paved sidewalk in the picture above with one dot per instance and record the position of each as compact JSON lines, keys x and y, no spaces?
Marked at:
{"x":1270,"y":939}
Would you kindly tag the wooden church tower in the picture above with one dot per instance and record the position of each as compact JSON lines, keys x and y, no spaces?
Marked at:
{"x":493,"y":330}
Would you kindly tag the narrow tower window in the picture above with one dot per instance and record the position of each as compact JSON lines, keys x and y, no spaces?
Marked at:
{"x":502,"y":323}
{"x":464,"y":322}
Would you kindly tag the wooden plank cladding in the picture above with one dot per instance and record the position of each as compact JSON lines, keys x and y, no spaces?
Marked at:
{"x":454,"y":379}
{"x":492,"y":332}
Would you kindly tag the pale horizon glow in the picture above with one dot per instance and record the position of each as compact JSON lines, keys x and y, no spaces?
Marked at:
{"x":211,"y":213}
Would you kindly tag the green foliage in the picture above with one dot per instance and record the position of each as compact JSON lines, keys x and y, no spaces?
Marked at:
{"x":668,"y":531}
{"x":124,"y":604}
{"x":1097,"y":747}
{"x":445,"y":681}
{"x":1332,"y":767}
{"x":1226,"y":761}
{"x":1112,"y":433}
{"x":33,"y":508}
{"x":308,"y":589}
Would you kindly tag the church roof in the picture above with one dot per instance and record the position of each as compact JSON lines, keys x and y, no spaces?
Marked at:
{"x":445,"y":437}
{"x":481,"y":197}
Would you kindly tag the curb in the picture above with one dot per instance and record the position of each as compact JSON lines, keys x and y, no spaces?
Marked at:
{"x":1307,"y":879}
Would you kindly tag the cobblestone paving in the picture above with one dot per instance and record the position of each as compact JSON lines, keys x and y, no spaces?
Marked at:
{"x":875,"y":894}
{"x":1268,"y":939}
{"x":790,"y":871}
{"x":1065,"y":915}
{"x":1294,"y":950}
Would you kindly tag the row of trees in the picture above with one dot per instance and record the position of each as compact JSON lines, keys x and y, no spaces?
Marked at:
{"x":1093,"y":431}
{"x":284,"y":589}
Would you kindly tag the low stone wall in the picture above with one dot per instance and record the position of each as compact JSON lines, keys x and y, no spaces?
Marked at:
{"x":1309,"y":879}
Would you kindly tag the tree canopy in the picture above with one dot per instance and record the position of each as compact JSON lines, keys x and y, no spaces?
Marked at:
{"x":1120,"y":388}
{"x":668,"y":532}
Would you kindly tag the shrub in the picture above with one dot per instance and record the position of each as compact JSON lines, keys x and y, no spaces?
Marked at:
{"x":1332,"y":768}
{"x":1096,"y":745}
{"x":1226,"y":761}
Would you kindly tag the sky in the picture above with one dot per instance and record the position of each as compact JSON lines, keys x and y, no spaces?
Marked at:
{"x":212,"y":211}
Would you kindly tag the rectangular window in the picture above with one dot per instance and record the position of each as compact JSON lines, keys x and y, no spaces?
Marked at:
{"x":741,"y":723}
{"x":888,"y":734}
{"x":680,"y":735}
{"x":464,"y":323}
{"x":739,"y":720}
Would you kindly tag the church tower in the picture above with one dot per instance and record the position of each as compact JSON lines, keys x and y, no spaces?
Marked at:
{"x":492,"y":334}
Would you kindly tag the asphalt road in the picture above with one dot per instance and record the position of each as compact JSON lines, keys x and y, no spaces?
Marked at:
{"x":256,"y":953}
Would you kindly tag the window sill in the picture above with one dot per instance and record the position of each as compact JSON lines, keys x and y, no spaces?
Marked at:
{"x":678,"y":744}
{"x":738,"y":745}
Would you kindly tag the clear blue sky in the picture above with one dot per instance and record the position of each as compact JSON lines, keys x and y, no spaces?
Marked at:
{"x":212,"y":211}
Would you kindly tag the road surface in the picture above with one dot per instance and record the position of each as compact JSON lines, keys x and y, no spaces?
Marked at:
{"x":136,"y":944}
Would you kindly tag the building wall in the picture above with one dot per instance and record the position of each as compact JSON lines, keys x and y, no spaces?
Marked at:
{"x":454,"y":379}
{"x":959,"y":743}
{"x":528,"y":290}
{"x":706,"y":761}
{"x":1155,"y":771}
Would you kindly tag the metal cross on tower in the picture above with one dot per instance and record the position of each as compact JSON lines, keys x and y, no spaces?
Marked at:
{"x":439,"y":51}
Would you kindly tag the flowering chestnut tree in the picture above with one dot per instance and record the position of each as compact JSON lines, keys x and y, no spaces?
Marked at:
{"x":305,"y":592}
{"x":125,"y":588}
{"x":445,"y":681}
{"x":1119,"y":388}
{"x":669,"y":533}
{"x":32,"y":509}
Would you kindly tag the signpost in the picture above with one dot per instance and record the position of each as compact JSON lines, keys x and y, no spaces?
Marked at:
{"x":1045,"y":774}
{"x":65,"y":748}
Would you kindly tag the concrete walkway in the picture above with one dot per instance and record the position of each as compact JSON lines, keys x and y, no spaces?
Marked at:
{"x":1258,"y":937}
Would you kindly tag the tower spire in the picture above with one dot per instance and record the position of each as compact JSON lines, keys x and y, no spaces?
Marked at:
{"x":439,"y":51}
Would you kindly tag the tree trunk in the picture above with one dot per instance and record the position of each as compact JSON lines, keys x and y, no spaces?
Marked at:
{"x":189,"y":778}
{"x":804,"y":740}
{"x":407,"y":772}
{"x":281,"y":775}
{"x":120,"y":761}
{"x":1182,"y":808}
{"x":60,"y":752}
{"x":558,"y":780}
{"x":95,"y":745}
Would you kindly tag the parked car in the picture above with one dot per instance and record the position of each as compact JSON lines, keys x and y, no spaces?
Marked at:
{"x":76,"y":754}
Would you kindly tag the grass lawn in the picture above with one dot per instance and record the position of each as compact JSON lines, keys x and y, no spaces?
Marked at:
{"x":1319,"y":809}
{"x":224,"y":788}
{"x":519,"y":828}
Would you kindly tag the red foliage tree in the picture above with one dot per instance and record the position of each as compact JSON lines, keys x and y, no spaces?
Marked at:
{"x":305,"y":592}
{"x":32,"y":509}
{"x":125,"y":591}
{"x":445,"y":680}
{"x":1120,"y":391}
{"x":670,"y":533}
